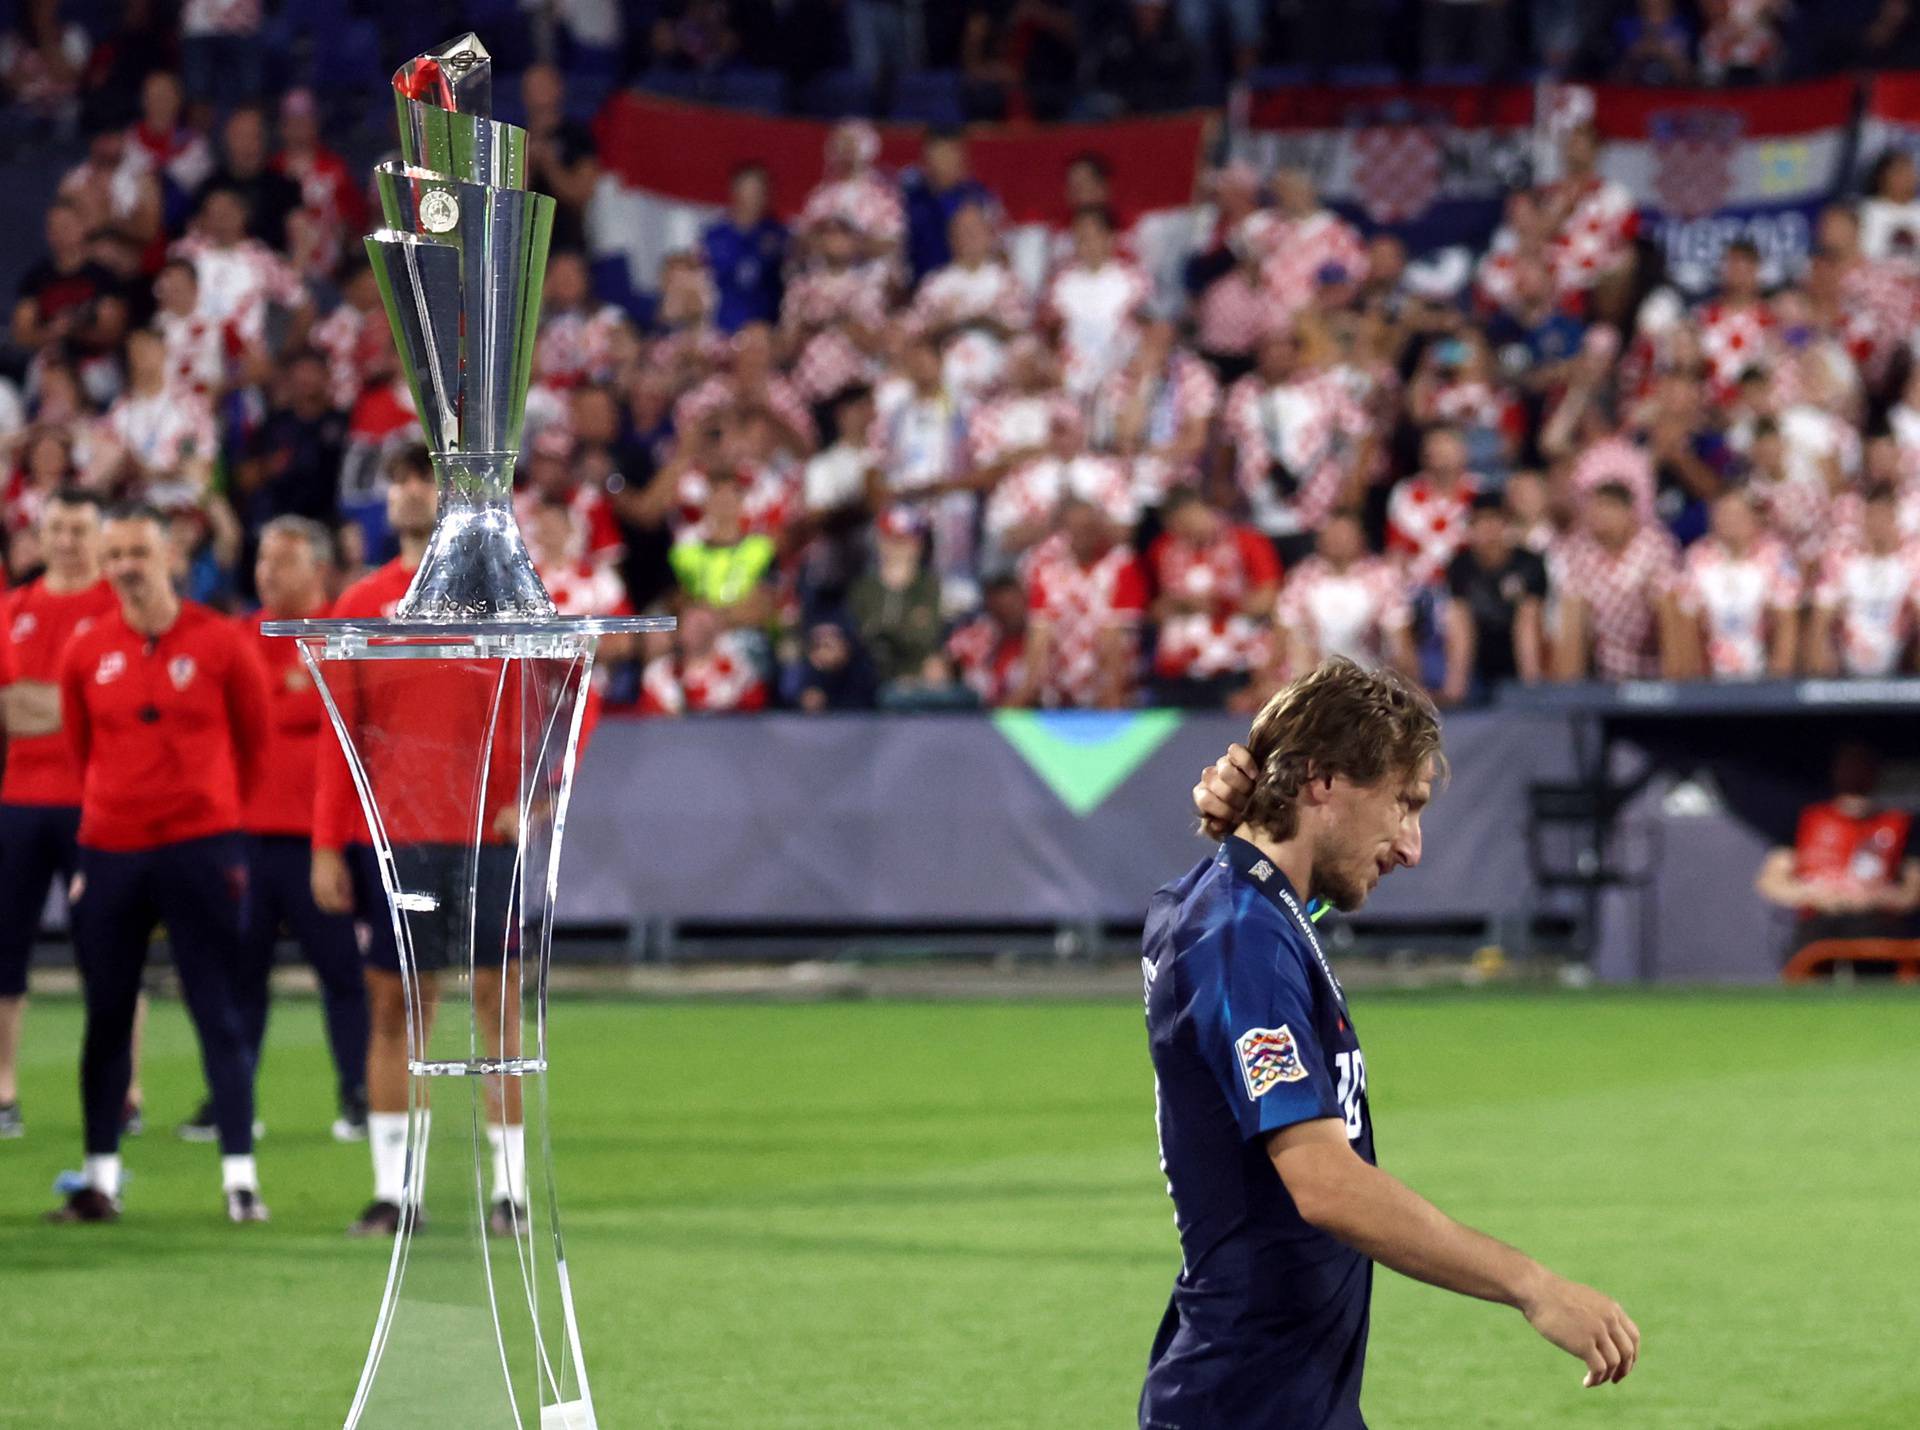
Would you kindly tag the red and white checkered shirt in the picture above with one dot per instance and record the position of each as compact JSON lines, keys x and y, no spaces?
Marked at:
{"x":962,"y":303}
{"x":577,"y":347}
{"x":1846,"y":513}
{"x":724,"y":679}
{"x":1426,"y":526}
{"x":1880,"y":303}
{"x":954,"y":296}
{"x":183,"y":155}
{"x":1474,"y":403}
{"x":1740,"y":35}
{"x":1294,"y":251}
{"x":769,"y":498}
{"x":1798,"y":511}
{"x":721,"y":391}
{"x":1232,"y":315}
{"x":166,"y":431}
{"x":1080,"y":604}
{"x":1221,"y":639}
{"x":1344,"y":612}
{"x":1016,"y":421}
{"x":1873,"y":599}
{"x":1310,"y":425}
{"x":866,"y":201}
{"x":594,"y":535}
{"x":1031,"y":493}
{"x":1181,"y":393}
{"x":988,"y":660}
{"x":1617,"y":459}
{"x":356,"y":346}
{"x":1097,"y":309}
{"x":1595,"y":237}
{"x":1734,"y":598}
{"x":198,"y":348}
{"x":238,"y":284}
{"x":1621,"y":593}
{"x":584,"y":588}
{"x":331,"y":201}
{"x":1734,"y":338}
{"x":686,"y":355}
{"x":1495,"y":276}
{"x":820,"y":302}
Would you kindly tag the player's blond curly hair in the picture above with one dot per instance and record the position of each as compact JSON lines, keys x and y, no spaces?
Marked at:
{"x":1339,"y":719}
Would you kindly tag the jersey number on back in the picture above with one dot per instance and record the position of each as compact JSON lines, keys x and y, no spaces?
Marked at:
{"x":1353,"y":1086}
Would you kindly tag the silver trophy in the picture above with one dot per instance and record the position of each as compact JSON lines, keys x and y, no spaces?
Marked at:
{"x":460,"y":722}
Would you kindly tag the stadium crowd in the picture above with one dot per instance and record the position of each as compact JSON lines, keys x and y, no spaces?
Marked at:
{"x":867,"y":466}
{"x":953,"y":62}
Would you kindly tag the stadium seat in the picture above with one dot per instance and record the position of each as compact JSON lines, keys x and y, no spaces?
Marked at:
{"x":764,"y":90}
{"x":837,"y":94}
{"x":1824,"y":956}
{"x":929,"y":97}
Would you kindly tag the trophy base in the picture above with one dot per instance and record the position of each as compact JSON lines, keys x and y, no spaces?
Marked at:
{"x":574,"y":1415}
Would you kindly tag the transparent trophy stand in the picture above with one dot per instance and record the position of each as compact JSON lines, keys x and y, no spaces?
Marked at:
{"x":460,"y":719}
{"x":461,"y":740}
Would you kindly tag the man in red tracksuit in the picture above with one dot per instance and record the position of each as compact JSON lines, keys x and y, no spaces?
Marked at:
{"x":40,"y":795}
{"x":420,"y":726}
{"x":165,"y":705}
{"x":290,"y":570}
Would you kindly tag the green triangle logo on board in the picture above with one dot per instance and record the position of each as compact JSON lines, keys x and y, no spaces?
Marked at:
{"x":1085,"y":755}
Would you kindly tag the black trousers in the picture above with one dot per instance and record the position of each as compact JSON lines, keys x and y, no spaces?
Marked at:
{"x":280,"y":894}
{"x":37,"y":842}
{"x":196,"y":888}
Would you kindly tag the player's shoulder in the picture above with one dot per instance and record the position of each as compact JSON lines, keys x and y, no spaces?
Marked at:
{"x":96,"y":632}
{"x":1209,"y":909}
{"x":368,"y":596}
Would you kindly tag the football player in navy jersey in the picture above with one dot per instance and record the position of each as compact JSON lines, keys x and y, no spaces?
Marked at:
{"x":1261,"y":1085}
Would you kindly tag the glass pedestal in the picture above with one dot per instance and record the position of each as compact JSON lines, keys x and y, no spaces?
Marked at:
{"x":460,"y":741}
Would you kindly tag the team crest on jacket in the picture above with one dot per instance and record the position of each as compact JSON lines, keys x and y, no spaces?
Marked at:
{"x":112,"y":665}
{"x":1268,"y":1057}
{"x":23,"y":625}
{"x":180,"y":671}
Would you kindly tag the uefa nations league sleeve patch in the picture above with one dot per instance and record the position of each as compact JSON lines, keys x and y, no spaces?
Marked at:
{"x":1268,"y":1057}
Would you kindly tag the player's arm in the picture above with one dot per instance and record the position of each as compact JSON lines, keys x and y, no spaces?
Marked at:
{"x":30,"y":707}
{"x":73,"y":709}
{"x":1384,"y":1219}
{"x":1225,"y":786}
{"x":1785,"y":645}
{"x":1778,"y":884}
{"x":1570,"y":639}
{"x":1903,"y":895}
{"x":248,"y":696}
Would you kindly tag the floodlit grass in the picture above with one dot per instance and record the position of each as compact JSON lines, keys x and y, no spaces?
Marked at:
{"x":906,"y":1215}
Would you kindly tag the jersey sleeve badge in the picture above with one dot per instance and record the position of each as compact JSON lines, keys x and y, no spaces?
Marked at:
{"x":1268,"y":1057}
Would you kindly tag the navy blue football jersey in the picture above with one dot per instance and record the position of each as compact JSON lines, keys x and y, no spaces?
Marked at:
{"x":1267,"y":1326}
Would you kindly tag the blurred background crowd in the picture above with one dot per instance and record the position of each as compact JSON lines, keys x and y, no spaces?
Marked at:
{"x":869,"y":464}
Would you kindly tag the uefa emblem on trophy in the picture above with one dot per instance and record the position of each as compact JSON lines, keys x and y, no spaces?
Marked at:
{"x":459,"y":718}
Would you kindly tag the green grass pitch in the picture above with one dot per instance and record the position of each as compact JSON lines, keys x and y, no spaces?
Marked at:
{"x":907,"y":1215}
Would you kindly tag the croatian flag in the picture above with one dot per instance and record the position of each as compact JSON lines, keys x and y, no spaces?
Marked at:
{"x":1428,"y":163}
{"x":667,"y":166}
{"x":1709,"y":167}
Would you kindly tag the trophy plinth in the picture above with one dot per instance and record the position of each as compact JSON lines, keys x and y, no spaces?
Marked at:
{"x":460,"y":723}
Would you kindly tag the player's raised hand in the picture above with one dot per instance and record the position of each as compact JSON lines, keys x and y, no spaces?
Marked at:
{"x":1587,"y":1325}
{"x":1221,"y":796}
